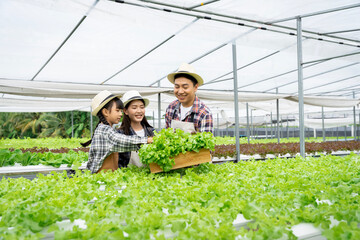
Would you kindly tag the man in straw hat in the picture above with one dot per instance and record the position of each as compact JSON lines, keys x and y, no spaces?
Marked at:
{"x":188,"y":112}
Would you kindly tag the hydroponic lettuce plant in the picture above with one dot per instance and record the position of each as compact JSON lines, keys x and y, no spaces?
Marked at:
{"x":169,"y":143}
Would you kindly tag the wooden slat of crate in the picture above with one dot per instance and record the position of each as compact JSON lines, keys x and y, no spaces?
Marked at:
{"x":185,"y":160}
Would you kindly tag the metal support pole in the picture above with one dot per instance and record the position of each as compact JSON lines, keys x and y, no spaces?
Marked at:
{"x":345,"y":133}
{"x":266,"y":132}
{"x":354,"y":113}
{"x":251,"y":122}
{"x":236,"y":101}
{"x":300,"y":86}
{"x":247,"y":123}
{"x":217,"y":118}
{"x":277,"y":117}
{"x":323,"y":123}
{"x":287,"y":126}
{"x":72,"y":124}
{"x":153,"y":118}
{"x":271,"y":125}
{"x":345,"y":129}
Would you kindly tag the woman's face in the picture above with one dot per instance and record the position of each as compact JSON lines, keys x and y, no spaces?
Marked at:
{"x":135,"y":111}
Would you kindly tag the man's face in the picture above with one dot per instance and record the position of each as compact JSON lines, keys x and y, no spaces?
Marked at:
{"x":185,"y":90}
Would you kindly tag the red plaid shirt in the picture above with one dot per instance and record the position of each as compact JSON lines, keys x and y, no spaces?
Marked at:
{"x":202,"y":116}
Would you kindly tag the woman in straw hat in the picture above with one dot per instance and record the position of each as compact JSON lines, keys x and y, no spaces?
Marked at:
{"x":106,"y":142}
{"x":134,"y":123}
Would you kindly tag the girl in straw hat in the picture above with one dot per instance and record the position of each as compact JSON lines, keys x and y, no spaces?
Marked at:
{"x":134,"y":123}
{"x":106,"y":142}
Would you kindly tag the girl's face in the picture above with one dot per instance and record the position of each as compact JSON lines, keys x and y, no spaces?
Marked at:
{"x":135,"y":111}
{"x":114,"y":115}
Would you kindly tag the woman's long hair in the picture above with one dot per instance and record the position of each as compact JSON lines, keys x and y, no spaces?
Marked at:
{"x":102,"y":119}
{"x":126,"y":122}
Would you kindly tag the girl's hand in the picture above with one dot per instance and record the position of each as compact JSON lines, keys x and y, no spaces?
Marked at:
{"x":150,"y":140}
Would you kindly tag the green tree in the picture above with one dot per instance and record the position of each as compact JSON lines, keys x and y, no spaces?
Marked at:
{"x":27,"y":124}
{"x":7,"y":130}
{"x":81,"y":126}
{"x":34,"y":125}
{"x":53,"y":125}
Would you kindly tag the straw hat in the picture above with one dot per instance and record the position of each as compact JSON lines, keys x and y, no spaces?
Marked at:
{"x":100,"y":100}
{"x":133,"y":95}
{"x":187,"y":69}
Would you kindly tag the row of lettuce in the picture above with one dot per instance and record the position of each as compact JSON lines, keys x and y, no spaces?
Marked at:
{"x":161,"y":152}
{"x":194,"y":203}
{"x":57,"y":143}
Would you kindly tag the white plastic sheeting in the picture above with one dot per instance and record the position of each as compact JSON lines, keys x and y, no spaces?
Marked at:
{"x":122,"y":46}
{"x":328,"y":123}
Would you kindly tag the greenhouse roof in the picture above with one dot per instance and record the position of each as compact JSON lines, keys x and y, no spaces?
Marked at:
{"x":52,"y":50}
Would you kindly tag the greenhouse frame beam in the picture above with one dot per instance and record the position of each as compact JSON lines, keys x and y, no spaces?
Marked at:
{"x":244,"y":19}
{"x":215,"y":80}
{"x":317,"y":13}
{"x":236,"y":101}
{"x":341,"y":89}
{"x":355,"y":90}
{"x":315,"y":75}
{"x":66,"y":39}
{"x":343,"y":31}
{"x":279,"y":75}
{"x":300,"y":87}
{"x":331,"y":58}
{"x":202,"y":4}
{"x":272,"y":77}
{"x":249,"y":64}
{"x":209,"y":52}
{"x":337,"y":81}
{"x":151,"y":50}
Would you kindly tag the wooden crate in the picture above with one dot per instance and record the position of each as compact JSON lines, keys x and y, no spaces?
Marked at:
{"x":185,"y":160}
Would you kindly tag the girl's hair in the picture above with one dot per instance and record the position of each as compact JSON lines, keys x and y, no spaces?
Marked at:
{"x":126,"y":122}
{"x":102,"y":119}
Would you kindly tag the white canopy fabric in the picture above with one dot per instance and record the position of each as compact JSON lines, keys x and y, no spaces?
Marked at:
{"x":59,"y":51}
{"x":328,"y":123}
{"x":327,"y":101}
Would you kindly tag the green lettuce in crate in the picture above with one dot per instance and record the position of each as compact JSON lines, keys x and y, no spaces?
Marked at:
{"x":169,"y":143}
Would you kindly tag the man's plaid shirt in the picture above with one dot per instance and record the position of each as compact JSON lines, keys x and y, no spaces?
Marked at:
{"x":203,"y":120}
{"x":106,"y":141}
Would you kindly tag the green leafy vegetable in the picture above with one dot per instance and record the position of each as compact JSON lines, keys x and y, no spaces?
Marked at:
{"x":168,"y":144}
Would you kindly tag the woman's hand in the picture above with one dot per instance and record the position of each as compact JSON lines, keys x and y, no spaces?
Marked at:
{"x":150,"y":140}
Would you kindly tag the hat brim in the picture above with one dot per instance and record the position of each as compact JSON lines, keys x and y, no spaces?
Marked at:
{"x":171,"y":77}
{"x":97,"y":109}
{"x":146,"y":101}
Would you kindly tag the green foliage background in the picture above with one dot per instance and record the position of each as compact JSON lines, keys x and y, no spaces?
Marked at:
{"x":39,"y":125}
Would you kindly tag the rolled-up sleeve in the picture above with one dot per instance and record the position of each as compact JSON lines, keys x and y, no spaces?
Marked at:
{"x":124,"y":143}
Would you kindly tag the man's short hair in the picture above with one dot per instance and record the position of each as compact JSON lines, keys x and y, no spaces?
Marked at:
{"x":187,"y":76}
